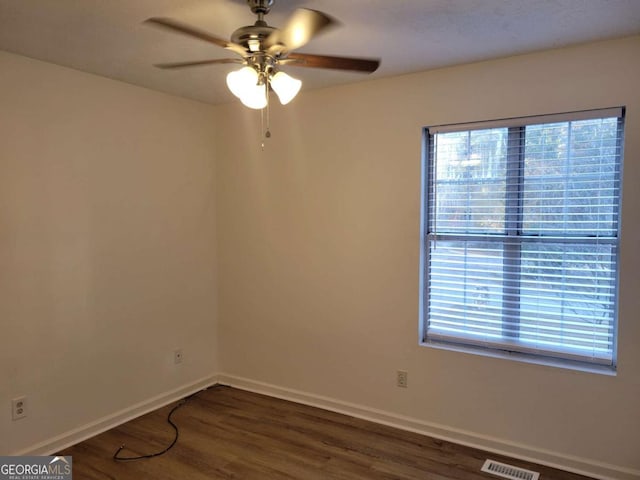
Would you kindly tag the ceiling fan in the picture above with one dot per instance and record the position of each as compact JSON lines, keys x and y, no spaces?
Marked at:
{"x":263,"y":49}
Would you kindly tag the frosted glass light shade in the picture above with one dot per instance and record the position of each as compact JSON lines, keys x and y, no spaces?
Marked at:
{"x":254,"y":97}
{"x":285,"y":86}
{"x":242,"y":80}
{"x":243,"y":84}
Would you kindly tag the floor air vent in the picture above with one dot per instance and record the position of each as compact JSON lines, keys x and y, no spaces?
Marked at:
{"x":508,"y":471}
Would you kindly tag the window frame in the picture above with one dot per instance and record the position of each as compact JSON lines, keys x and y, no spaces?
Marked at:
{"x":512,"y":276}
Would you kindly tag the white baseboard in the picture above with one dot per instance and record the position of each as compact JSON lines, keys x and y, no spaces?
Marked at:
{"x":108,"y":422}
{"x":499,"y":446}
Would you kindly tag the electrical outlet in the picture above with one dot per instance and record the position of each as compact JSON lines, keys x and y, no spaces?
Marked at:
{"x":402,"y":378}
{"x":18,"y":408}
{"x":177,"y":356}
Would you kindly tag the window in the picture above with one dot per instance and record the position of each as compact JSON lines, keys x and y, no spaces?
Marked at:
{"x":521,"y":235}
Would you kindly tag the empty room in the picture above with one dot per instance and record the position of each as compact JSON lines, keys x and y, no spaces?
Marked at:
{"x":320,"y":239}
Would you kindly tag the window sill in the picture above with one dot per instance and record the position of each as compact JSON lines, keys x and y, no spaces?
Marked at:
{"x":523,"y":358}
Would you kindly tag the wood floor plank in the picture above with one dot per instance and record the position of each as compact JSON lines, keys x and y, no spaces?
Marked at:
{"x":227,"y":433}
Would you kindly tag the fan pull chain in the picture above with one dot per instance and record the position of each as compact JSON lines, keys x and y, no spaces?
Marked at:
{"x":262,"y":127}
{"x":266,"y":131}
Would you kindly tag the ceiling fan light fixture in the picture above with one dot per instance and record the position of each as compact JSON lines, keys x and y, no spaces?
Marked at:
{"x":285,"y":86}
{"x":263,"y":49}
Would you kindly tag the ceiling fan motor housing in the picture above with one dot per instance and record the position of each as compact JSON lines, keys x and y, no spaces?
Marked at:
{"x":252,"y":35}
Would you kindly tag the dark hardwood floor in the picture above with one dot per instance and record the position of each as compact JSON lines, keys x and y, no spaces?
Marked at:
{"x":227,"y":433}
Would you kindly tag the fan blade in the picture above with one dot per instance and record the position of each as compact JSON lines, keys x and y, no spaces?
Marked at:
{"x":193,"y":32}
{"x":301,"y":27}
{"x":367,"y":65}
{"x":197,"y":63}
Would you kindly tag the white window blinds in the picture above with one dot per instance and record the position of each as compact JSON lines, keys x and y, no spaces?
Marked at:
{"x":522,"y":235}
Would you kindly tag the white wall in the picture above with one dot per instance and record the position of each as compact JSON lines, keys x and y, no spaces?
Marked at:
{"x":107,"y":248}
{"x":318,"y":254}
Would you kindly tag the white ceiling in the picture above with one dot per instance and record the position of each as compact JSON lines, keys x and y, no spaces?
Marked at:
{"x":106,"y":37}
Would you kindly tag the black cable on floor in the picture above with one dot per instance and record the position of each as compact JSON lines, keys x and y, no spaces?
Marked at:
{"x":118,"y":458}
